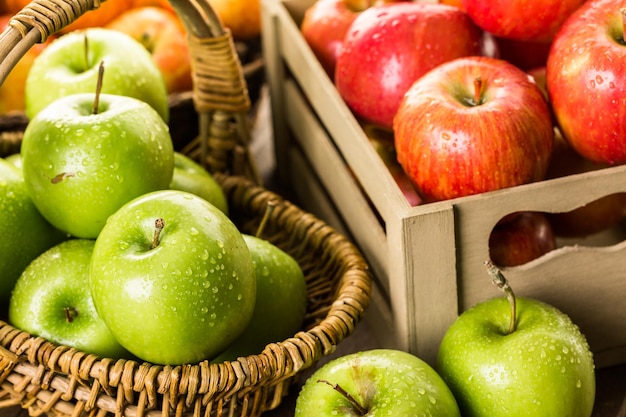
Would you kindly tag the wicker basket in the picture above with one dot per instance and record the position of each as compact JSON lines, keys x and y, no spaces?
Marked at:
{"x":58,"y":380}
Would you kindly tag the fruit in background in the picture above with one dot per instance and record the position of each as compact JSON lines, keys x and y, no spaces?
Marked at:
{"x":61,"y":69}
{"x":242,"y":17}
{"x":517,"y":356}
{"x":520,"y":20}
{"x":15,"y":160}
{"x":539,"y":75}
{"x":163,"y":35}
{"x":192,"y":177}
{"x":456,"y":3}
{"x":525,"y":55}
{"x":12,"y":90}
{"x":13,"y":6}
{"x":520,"y":239}
{"x":324,"y":26}
{"x":107,"y":11}
{"x":80,"y":166}
{"x":172,"y":278}
{"x":164,"y":4}
{"x":382,"y":141}
{"x":473,"y":125}
{"x":585,"y":79}
{"x":390,"y":46}
{"x":25,"y":233}
{"x":52,"y":300}
{"x":376,"y":382}
{"x":281,"y":300}
{"x":593,"y":217}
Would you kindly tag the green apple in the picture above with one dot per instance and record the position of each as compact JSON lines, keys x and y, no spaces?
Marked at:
{"x":172,"y":278}
{"x":15,"y":160}
{"x":377,"y":382}
{"x":190,"y":176}
{"x":517,"y":357}
{"x":281,"y":300}
{"x":70,"y":64}
{"x":51,"y":299}
{"x":24,"y":233}
{"x":80,"y":166}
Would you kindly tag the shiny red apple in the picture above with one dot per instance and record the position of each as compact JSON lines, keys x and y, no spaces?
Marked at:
{"x":537,"y":20}
{"x":390,"y":46}
{"x":521,"y":239}
{"x":586,"y":80}
{"x":473,"y":125}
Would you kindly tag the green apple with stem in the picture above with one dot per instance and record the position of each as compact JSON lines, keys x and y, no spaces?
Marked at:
{"x":513,"y":356}
{"x":281,"y":297}
{"x":173,"y":278}
{"x":52,"y":299}
{"x":69,"y":65}
{"x":25,"y":233}
{"x":377,"y":382}
{"x":190,"y":176}
{"x":85,"y":155}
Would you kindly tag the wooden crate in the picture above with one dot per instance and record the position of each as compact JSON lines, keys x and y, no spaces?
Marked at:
{"x":428,"y":259}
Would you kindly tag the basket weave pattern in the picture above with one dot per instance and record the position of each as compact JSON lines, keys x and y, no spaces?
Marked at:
{"x":46,"y":378}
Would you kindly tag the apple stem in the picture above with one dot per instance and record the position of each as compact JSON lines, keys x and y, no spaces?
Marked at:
{"x":359,"y":408}
{"x":86,"y":51}
{"x":269,"y":209}
{"x":501,"y":282}
{"x":478,"y":89}
{"x":70,"y":313}
{"x":159,"y":224}
{"x":96,"y":101}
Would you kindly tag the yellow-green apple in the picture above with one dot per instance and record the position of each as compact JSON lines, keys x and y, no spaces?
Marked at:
{"x":376,"y":382}
{"x":15,"y":160}
{"x":81,"y":165}
{"x":521,"y":238}
{"x":513,"y":356}
{"x":52,"y":299}
{"x":519,"y":19}
{"x":70,"y":64}
{"x":472,"y":125}
{"x":241,"y":17}
{"x":389,"y":46}
{"x":173,"y":278}
{"x":586,"y":81}
{"x":25,"y":233}
{"x":281,"y":300}
{"x":190,"y":176}
{"x":164,"y":36}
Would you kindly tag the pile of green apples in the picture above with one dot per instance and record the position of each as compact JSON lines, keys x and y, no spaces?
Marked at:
{"x":116,"y":244}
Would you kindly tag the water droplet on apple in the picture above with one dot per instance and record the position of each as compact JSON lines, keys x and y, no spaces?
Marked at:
{"x":215,"y":290}
{"x":80,"y":132}
{"x":239,"y":297}
{"x":579,"y":383}
{"x":204,"y":310}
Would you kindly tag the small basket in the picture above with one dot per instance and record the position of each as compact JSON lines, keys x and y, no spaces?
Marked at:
{"x":46,"y":378}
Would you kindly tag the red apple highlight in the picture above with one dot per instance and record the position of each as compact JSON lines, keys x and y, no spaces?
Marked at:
{"x":473,"y":125}
{"x":586,"y":81}
{"x":390,"y":46}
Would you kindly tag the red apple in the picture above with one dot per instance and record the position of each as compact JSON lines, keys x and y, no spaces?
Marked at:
{"x":521,"y":239}
{"x":456,"y":3}
{"x":593,"y":217}
{"x":163,"y":34}
{"x":324,"y":26}
{"x":383,"y":143}
{"x":537,"y":20}
{"x":586,"y":80}
{"x":473,"y":125}
{"x":523,"y":54}
{"x":390,"y":46}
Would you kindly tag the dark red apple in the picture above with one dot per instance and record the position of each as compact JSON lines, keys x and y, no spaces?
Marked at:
{"x":537,"y":20}
{"x":473,"y":125}
{"x":521,"y":239}
{"x":586,"y":80}
{"x":593,"y":217}
{"x":525,"y":55}
{"x":389,"y":46}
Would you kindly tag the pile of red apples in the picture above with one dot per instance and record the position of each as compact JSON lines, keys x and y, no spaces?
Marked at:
{"x":467,"y":96}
